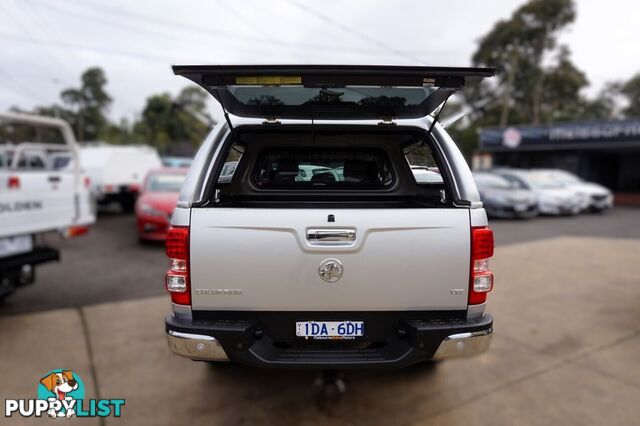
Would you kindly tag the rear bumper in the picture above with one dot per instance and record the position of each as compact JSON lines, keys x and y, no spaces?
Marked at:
{"x":152,"y":228}
{"x":35,"y":257}
{"x":247,"y":342}
{"x":123,"y":193}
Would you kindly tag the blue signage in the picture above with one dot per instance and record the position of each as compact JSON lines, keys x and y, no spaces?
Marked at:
{"x":576,"y":135}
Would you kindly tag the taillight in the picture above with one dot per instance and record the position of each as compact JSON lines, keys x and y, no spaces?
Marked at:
{"x":87,"y":182}
{"x":13,"y":182}
{"x":177,"y":278}
{"x":481,"y":278}
{"x":76,"y":231}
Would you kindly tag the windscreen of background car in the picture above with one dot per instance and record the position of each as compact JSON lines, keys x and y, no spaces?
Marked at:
{"x":165,"y":183}
{"x":544,"y":181}
{"x":323,"y":168}
{"x":484,"y":180}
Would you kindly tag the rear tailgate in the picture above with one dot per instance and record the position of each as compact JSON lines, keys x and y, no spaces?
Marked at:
{"x":262,"y":259}
{"x":43,"y":201}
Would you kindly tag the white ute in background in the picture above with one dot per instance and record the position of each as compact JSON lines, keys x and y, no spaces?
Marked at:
{"x":36,"y":197}
{"x":118,"y":172}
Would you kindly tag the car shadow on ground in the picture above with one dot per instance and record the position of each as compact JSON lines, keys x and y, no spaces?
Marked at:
{"x":286,"y":396}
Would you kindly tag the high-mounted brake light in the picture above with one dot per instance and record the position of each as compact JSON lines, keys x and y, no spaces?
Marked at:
{"x":481,"y":278}
{"x":177,"y":278}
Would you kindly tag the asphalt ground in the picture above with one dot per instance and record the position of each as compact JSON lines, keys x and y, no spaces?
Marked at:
{"x":564,"y":352}
{"x":110,"y":265}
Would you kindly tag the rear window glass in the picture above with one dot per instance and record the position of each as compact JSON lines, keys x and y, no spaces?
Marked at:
{"x":362,"y":96}
{"x":423,"y":165}
{"x":323,"y":168}
{"x":231,"y":163}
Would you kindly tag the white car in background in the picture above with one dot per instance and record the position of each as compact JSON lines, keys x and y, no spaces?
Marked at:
{"x":594,"y":197}
{"x":554,"y":198}
{"x":423,"y":174}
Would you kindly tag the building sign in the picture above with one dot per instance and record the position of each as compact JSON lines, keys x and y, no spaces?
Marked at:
{"x":565,"y":135}
{"x":511,"y":137}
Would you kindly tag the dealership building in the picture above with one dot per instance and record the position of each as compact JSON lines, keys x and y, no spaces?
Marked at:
{"x":606,"y":152}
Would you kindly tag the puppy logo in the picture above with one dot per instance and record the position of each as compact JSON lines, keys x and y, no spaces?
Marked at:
{"x":60,"y":383}
{"x":62,"y":386}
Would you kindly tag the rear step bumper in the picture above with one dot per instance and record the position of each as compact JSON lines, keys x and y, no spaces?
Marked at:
{"x":245,"y":342}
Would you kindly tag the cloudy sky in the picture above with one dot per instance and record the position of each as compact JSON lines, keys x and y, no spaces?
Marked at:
{"x":46,"y":44}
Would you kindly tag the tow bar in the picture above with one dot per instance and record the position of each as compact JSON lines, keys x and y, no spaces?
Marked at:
{"x":330,"y":386}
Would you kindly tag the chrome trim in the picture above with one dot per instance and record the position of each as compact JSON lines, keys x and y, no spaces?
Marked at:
{"x":328,"y":235}
{"x":330,"y":270}
{"x":464,"y":344}
{"x":196,"y":346}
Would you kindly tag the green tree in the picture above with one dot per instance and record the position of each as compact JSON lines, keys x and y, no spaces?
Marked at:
{"x":537,"y":81}
{"x":517,"y":47}
{"x":561,"y":83}
{"x":90,"y":103}
{"x":166,"y":120}
{"x":631,"y":90}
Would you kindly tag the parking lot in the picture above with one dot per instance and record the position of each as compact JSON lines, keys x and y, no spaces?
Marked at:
{"x":567,"y":334}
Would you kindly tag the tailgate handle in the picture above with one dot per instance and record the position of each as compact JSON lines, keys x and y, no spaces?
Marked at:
{"x":328,"y":235}
{"x":54,"y":179}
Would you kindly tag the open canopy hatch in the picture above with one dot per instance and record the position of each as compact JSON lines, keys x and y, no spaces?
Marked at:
{"x":330,"y":91}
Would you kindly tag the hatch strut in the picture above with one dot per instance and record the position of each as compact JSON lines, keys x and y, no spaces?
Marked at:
{"x":437,"y":116}
{"x":433,"y":123}
{"x":226,"y":116}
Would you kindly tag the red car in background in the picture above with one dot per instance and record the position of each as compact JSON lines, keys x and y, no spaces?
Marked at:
{"x":156,"y":202}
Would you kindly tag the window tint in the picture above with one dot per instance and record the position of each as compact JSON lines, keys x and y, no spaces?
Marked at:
{"x":231,"y":163}
{"x":61,"y":162}
{"x":423,"y":165}
{"x":323,"y":168}
{"x":31,"y":162}
{"x":358,"y":95}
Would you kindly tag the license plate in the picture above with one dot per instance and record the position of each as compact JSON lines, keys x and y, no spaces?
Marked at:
{"x":520,"y":207}
{"x":330,"y":329}
{"x":15,"y":245}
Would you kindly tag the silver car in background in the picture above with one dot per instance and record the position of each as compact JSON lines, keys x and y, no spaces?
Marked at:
{"x":594,"y":197}
{"x":554,"y":197}
{"x":503,"y":198}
